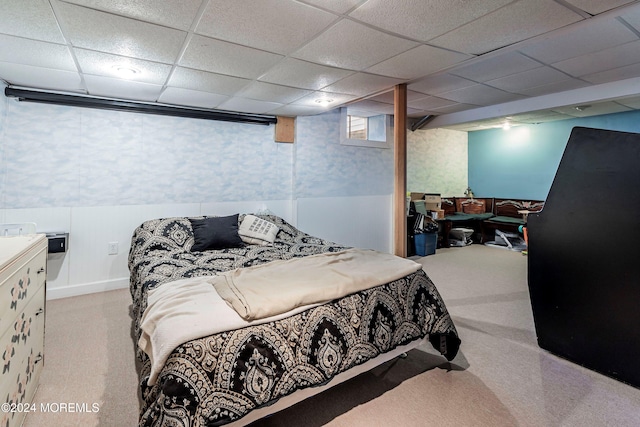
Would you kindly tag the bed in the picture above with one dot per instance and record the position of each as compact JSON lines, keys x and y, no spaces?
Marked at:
{"x":236,"y":368}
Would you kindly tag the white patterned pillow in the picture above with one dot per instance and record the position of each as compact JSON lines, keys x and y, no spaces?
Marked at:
{"x":257,"y":231}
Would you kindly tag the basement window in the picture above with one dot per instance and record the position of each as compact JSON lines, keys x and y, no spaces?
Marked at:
{"x":365,"y":129}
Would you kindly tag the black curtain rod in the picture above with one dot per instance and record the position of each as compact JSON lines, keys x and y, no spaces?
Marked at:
{"x":137,"y":107}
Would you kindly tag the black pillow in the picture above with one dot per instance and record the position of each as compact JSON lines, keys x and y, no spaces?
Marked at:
{"x":219,"y":232}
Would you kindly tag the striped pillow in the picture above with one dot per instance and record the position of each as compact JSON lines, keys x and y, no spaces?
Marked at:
{"x":257,"y":231}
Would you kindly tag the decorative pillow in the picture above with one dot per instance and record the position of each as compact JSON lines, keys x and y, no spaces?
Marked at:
{"x":257,"y":231}
{"x":218,"y":232}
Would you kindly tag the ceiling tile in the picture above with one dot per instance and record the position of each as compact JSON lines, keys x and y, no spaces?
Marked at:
{"x":480,"y":95}
{"x":105,"y":32}
{"x":270,"y":92}
{"x":336,"y":99}
{"x":170,"y":14}
{"x":528,"y":79}
{"x":560,"y":86}
{"x":454,"y":108}
{"x":482,"y":70}
{"x":580,"y":40}
{"x":603,"y":60}
{"x":222,"y":57}
{"x":382,"y":43}
{"x":510,"y":24}
{"x":388,"y":97}
{"x":188,"y":78}
{"x":622,"y":73}
{"x":305,"y":75}
{"x":298,"y":110}
{"x":384,"y":103}
{"x":361,"y":84}
{"x":361,"y":108}
{"x":33,"y":19}
{"x":352,"y":46}
{"x":122,"y":89}
{"x":594,"y":7}
{"x":631,"y":15}
{"x":188,"y":97}
{"x":279,"y":26}
{"x":338,"y":6}
{"x":418,"y":62}
{"x":249,"y":105}
{"x":106,"y":64}
{"x":412,"y":112}
{"x":433,"y":85}
{"x":593,"y":109}
{"x":422,"y":20}
{"x":36,"y":53}
{"x":40,"y":78}
{"x":431,"y":103}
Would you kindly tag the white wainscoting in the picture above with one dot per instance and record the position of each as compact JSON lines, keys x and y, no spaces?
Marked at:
{"x":87,"y":267}
{"x":359,"y":221}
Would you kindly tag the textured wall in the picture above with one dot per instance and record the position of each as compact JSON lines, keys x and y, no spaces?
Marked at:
{"x":437,"y":161}
{"x":62,"y":156}
{"x":325,"y":168}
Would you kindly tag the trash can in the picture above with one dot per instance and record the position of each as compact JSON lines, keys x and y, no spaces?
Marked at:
{"x":426,"y":243}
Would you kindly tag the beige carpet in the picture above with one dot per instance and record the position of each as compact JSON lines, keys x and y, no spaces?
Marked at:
{"x":500,"y":377}
{"x":89,"y":358}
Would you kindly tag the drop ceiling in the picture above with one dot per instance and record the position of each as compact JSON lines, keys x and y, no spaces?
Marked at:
{"x":468,"y":64}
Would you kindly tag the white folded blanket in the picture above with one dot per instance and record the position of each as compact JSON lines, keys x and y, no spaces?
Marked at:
{"x":279,"y":286}
{"x":184,"y":310}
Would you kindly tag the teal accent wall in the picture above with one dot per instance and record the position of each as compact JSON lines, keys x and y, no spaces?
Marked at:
{"x":522,"y":162}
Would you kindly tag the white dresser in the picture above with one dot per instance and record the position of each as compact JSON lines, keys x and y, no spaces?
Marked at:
{"x":23,"y":262}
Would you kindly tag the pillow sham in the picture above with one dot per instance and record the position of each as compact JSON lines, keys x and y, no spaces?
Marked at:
{"x":219,"y":232}
{"x":257,"y":231}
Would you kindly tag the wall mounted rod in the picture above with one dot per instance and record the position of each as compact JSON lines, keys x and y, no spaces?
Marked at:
{"x":137,"y":107}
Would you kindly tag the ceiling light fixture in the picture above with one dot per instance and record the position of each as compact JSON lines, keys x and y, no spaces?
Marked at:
{"x":125,"y":71}
{"x":582,"y":107}
{"x":324,"y":101}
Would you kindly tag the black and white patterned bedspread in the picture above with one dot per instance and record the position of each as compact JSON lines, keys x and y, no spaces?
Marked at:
{"x":220,"y":378}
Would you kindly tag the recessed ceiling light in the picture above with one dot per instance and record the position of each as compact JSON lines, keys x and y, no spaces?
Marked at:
{"x":324,"y":101}
{"x":125,"y":71}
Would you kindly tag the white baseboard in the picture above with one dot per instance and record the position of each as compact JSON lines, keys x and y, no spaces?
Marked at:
{"x":87,"y":288}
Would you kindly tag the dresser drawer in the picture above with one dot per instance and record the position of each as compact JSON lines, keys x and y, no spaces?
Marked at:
{"x":17,"y":287}
{"x":22,"y":350}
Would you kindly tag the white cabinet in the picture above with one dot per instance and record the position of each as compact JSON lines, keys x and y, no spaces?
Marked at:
{"x":23,"y":270}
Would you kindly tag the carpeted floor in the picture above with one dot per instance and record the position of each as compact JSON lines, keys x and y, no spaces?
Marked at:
{"x":499,"y":378}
